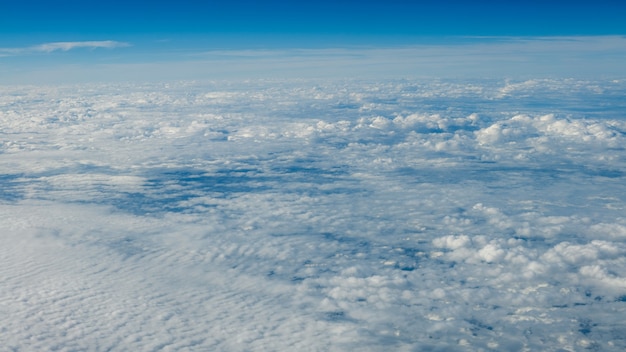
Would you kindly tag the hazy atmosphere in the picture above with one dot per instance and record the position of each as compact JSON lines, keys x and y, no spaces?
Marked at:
{"x":328,"y":176}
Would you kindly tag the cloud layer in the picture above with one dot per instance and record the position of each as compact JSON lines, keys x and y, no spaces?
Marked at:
{"x":314,"y":215}
{"x":482,"y":57}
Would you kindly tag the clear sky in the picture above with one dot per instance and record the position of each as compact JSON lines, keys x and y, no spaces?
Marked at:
{"x":73,"y":20}
{"x":132,"y":31}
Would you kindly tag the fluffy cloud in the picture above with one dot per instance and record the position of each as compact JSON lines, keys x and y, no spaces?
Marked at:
{"x":322,"y":215}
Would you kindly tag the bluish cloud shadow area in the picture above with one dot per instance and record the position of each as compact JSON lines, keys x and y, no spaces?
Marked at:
{"x":10,"y":188}
{"x":498,"y":176}
{"x":336,"y":251}
{"x":169,"y":190}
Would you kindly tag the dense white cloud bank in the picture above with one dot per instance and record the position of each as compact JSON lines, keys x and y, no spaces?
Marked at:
{"x":314,"y":215}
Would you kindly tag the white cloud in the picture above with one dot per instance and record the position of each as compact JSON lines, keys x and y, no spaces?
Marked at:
{"x":62,"y":46}
{"x":65,"y":46}
{"x":313,"y":215}
{"x":5,"y":52}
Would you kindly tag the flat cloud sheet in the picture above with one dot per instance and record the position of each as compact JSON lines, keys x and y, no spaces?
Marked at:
{"x":314,"y":215}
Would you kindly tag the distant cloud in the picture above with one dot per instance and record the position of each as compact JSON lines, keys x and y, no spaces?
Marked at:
{"x":65,"y":46}
{"x":9,"y":51}
{"x":62,"y":46}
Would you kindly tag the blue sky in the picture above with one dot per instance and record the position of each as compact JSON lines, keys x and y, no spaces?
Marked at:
{"x":72,"y":20}
{"x":140,"y":31}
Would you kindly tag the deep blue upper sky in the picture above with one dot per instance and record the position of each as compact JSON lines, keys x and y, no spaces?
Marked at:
{"x":40,"y":39}
{"x":293,"y":23}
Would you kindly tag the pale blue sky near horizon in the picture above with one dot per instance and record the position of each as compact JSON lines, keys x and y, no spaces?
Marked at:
{"x":78,"y":40}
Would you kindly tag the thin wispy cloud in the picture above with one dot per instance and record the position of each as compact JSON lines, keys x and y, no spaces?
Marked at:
{"x":66,"y":46}
{"x":63,"y":46}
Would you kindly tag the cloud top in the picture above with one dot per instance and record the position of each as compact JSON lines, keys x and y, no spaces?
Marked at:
{"x":314,"y":215}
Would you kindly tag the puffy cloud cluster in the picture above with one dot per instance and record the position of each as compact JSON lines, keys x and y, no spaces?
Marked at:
{"x":314,"y":215}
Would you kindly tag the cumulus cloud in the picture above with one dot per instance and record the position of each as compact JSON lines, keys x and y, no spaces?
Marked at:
{"x":314,"y":215}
